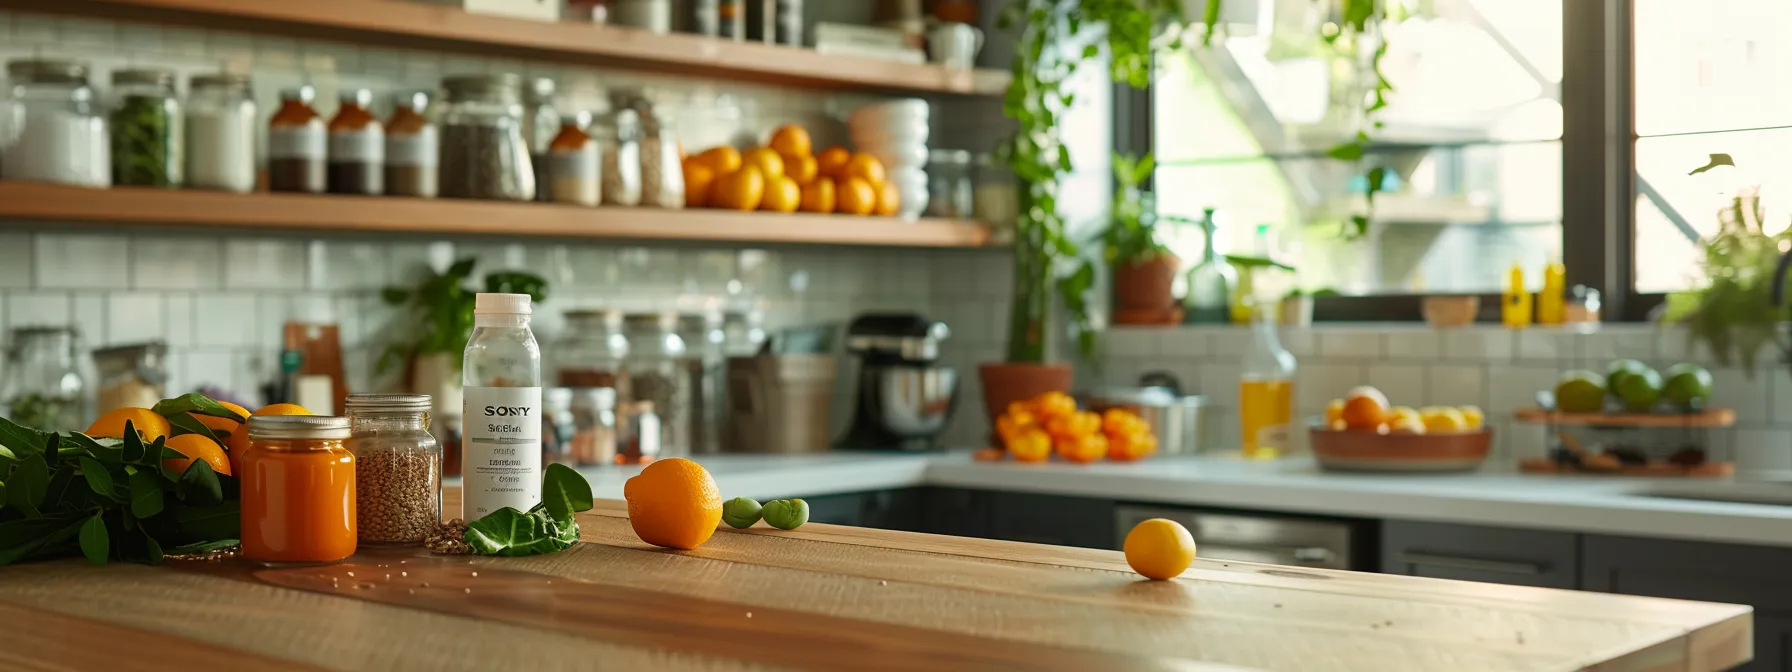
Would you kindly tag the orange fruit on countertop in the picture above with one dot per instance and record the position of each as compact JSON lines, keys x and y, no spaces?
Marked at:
{"x":1160,"y":549}
{"x":237,"y":436}
{"x":196,"y":447}
{"x":698,"y":180}
{"x":856,"y":197}
{"x":803,"y":169}
{"x":723,"y":160}
{"x":769,"y":162}
{"x":832,"y":162}
{"x":1405,"y":419}
{"x":818,"y":196}
{"x":739,"y":190}
{"x":673,"y":503}
{"x":147,"y":424}
{"x":792,"y":140}
{"x":283,"y":409}
{"x":889,"y":200}
{"x":1365,"y":408}
{"x":868,"y":168}
{"x":782,"y":195}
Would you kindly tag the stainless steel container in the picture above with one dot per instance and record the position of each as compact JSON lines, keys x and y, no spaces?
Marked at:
{"x":1175,"y":418}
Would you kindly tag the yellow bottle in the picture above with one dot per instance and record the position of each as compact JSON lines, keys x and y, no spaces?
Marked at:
{"x":1515,"y":303}
{"x":1552,"y":305}
{"x":1266,"y":392}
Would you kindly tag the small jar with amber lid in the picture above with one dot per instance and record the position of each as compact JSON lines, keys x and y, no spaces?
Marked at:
{"x":573,"y":164}
{"x":297,"y":142}
{"x":412,"y":147}
{"x":298,"y":489}
{"x":357,"y":147}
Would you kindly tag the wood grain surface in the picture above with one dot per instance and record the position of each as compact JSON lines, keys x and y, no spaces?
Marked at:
{"x":829,"y":597}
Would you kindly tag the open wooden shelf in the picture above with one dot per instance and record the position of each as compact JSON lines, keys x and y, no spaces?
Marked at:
{"x":415,"y":24}
{"x":305,"y":212}
{"x":1711,"y":417}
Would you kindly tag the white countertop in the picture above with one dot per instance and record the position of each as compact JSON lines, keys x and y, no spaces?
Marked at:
{"x":1615,"y":506}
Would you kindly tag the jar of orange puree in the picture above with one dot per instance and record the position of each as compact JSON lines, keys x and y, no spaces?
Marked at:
{"x":298,"y":486}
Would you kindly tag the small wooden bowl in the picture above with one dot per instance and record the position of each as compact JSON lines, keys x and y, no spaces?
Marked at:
{"x":1447,"y":312}
{"x":1352,"y":450}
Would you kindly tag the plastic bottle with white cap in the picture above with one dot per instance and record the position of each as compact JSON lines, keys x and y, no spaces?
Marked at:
{"x":501,"y":409}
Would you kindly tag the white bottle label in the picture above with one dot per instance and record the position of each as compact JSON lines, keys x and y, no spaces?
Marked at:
{"x":367,"y":145}
{"x":578,"y":164}
{"x":412,"y":149}
{"x":298,"y":142}
{"x":501,"y":450}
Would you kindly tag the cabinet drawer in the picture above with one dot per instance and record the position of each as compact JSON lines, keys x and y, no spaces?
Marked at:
{"x":1487,"y":554}
{"x":1052,"y":519}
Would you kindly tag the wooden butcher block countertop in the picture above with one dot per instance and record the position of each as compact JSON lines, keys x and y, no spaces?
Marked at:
{"x":824,"y":597}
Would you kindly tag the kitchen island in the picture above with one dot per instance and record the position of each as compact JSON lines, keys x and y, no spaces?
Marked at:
{"x":827,"y":597}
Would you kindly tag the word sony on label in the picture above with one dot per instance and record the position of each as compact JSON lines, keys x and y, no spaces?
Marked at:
{"x":507,"y":411}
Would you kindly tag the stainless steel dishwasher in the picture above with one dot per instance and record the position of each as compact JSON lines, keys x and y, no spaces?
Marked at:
{"x":1321,"y":543}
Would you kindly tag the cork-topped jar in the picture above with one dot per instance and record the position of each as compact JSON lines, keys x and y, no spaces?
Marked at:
{"x":573,"y":164}
{"x":357,"y":147}
{"x":412,"y":146}
{"x":297,"y":142}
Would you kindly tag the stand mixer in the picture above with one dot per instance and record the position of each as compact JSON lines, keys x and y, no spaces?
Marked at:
{"x":905,"y":397}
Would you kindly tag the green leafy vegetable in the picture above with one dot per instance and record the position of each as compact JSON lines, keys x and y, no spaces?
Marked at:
{"x":98,"y":480}
{"x":564,"y":492}
{"x":199,"y":486}
{"x":187,"y":424}
{"x":548,"y":527}
{"x":146,"y":493}
{"x":194,"y":403}
{"x":94,"y":540}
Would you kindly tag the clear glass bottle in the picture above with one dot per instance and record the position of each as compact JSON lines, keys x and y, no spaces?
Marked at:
{"x":484,"y":152}
{"x":398,"y":468}
{"x":704,"y":339}
{"x":594,"y":438}
{"x":949,"y":192}
{"x":1208,"y":299}
{"x":357,"y":147}
{"x":501,"y":409}
{"x":619,"y":137}
{"x":55,"y":126}
{"x":221,"y":130}
{"x":592,"y":353}
{"x":573,"y":164}
{"x":541,"y":124}
{"x":298,"y":142}
{"x":658,"y":380}
{"x":298,"y":490}
{"x":412,"y":146}
{"x":146,"y":129}
{"x":44,"y":389}
{"x":1265,"y":391}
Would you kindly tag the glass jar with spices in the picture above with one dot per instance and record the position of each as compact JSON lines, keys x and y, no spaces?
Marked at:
{"x":131,"y":376}
{"x":657,"y":373}
{"x":56,"y":127}
{"x":541,"y":125}
{"x":220,"y":133}
{"x":704,"y":338}
{"x":43,"y":388}
{"x":298,"y":482}
{"x":593,"y":351}
{"x":146,"y":129}
{"x":662,"y":172}
{"x":297,"y":142}
{"x":411,"y":147}
{"x":949,"y":190}
{"x":357,"y":147}
{"x":484,"y":153}
{"x":619,"y":138}
{"x":398,"y":468}
{"x":593,"y":426}
{"x":573,"y":164}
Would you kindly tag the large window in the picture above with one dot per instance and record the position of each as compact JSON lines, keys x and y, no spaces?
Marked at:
{"x":1472,"y":138}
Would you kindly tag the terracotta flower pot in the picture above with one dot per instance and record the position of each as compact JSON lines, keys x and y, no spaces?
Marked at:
{"x":1005,"y":383}
{"x":1145,"y":288}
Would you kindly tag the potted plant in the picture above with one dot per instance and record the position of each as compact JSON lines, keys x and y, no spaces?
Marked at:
{"x":440,"y":321}
{"x":1733,"y":312}
{"x":1143,"y":268}
{"x":1296,"y":309}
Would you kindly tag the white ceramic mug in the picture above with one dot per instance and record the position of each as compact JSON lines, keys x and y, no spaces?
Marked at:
{"x":955,"y":45}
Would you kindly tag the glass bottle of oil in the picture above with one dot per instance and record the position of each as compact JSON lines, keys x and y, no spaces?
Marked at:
{"x":1265,"y":391}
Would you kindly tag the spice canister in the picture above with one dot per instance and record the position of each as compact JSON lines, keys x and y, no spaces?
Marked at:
{"x":573,"y":164}
{"x":411,"y":148}
{"x":146,"y":128}
{"x":56,"y":126}
{"x":398,"y":468}
{"x":619,"y":136}
{"x":297,"y":141}
{"x":357,"y":147}
{"x":220,"y":133}
{"x":298,"y":489}
{"x":484,"y":152}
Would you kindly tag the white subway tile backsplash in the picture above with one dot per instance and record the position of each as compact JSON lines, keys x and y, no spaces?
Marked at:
{"x":177,"y":262}
{"x":1763,"y":450}
{"x":81,"y":261}
{"x":1748,"y":395}
{"x":1129,"y":341}
{"x":1182,"y":343}
{"x":1547,"y":345}
{"x":1524,"y":440}
{"x":135,"y":317}
{"x":1316,"y":384}
{"x":226,"y":319}
{"x":347,"y":265}
{"x":38,"y":309}
{"x":211,"y":367}
{"x":1457,"y":385}
{"x":1226,"y":342}
{"x":1516,"y":386}
{"x":1477,"y":344}
{"x":1299,"y":341}
{"x":15,"y":261}
{"x":265,"y":263}
{"x":178,"y":323}
{"x":1407,"y":344}
{"x":1350,"y":343}
{"x":1404,"y":384}
{"x":1218,"y":382}
{"x":89,"y":315}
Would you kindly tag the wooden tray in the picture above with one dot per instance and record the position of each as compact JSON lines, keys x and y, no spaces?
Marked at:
{"x":1710,"y":417}
{"x":1544,"y":465}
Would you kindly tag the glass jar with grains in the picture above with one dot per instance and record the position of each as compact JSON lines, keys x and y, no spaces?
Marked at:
{"x":146,"y":142}
{"x":43,"y":388}
{"x":398,"y":468}
{"x":484,"y":153}
{"x":220,"y":132}
{"x":357,"y":147}
{"x":656,"y":373}
{"x":411,"y":146}
{"x":297,"y":141}
{"x":662,"y":173}
{"x":618,"y":136}
{"x":298,"y":481}
{"x":131,"y":376}
{"x":55,"y":126}
{"x":573,"y":164}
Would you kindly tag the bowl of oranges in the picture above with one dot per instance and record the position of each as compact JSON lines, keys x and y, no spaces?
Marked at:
{"x":1363,"y":432}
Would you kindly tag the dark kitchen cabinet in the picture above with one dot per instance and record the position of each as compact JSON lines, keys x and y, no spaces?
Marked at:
{"x":1479,"y":553}
{"x":904,"y":509}
{"x":1752,"y":575}
{"x":1053,"y":519}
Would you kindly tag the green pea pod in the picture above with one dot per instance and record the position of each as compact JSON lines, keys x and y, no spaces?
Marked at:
{"x":741,"y":512}
{"x":786,"y":514}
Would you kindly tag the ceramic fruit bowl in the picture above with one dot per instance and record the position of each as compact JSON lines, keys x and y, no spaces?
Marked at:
{"x":1406,"y":452}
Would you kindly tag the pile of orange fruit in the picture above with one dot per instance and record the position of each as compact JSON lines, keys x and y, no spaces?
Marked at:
{"x":225,"y":459}
{"x":1366,"y":409}
{"x":786,"y":175}
{"x":1032,"y":430}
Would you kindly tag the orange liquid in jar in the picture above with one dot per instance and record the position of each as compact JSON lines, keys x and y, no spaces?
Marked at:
{"x":298,"y":500}
{"x":1266,"y":416}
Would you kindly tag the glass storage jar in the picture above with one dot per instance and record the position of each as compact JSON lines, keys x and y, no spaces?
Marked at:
{"x":298,"y":490}
{"x":146,"y":129}
{"x":594,"y":426}
{"x":662,"y":172}
{"x":541,"y":124}
{"x":357,"y":147}
{"x":949,"y":191}
{"x":131,"y":376}
{"x":43,"y":388}
{"x":55,"y":126}
{"x":706,"y":362}
{"x":573,"y":164}
{"x":297,"y":142}
{"x":619,"y":138}
{"x":484,"y":152}
{"x":657,"y":374}
{"x":593,"y":351}
{"x":411,"y":147}
{"x":398,"y":468}
{"x":221,"y":120}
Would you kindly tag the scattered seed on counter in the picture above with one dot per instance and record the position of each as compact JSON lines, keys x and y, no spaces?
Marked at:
{"x":450,"y":538}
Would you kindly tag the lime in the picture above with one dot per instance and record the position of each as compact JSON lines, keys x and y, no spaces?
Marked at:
{"x":1620,"y":368}
{"x":1688,"y":385}
{"x":1640,"y":390}
{"x":1580,"y":392}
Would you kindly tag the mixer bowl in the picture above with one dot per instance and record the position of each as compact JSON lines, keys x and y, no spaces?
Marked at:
{"x":909,"y":402}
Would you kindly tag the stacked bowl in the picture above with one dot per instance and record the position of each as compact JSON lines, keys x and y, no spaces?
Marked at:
{"x":896,"y":133}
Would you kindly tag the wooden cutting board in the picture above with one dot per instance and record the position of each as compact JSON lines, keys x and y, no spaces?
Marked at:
{"x":827,"y":597}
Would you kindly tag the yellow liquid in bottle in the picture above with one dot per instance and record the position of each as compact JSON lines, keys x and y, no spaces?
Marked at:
{"x":1266,"y":416}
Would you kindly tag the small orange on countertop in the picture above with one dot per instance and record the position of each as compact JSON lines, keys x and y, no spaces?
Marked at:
{"x":781,"y":195}
{"x":1365,"y":408}
{"x":1160,"y":549}
{"x":673,"y":503}
{"x":1083,"y":448}
{"x":989,"y":455}
{"x":792,"y":140}
{"x":769,"y":162}
{"x":196,"y":447}
{"x":1032,"y":445}
{"x":147,"y":424}
{"x":889,"y":200}
{"x":856,"y":197}
{"x":1053,"y":405}
{"x":818,"y":196}
{"x":832,"y":162}
{"x":739,"y":190}
{"x":238,"y":439}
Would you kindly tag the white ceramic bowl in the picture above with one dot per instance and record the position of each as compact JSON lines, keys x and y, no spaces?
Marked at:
{"x":912,"y":134}
{"x":907,"y":110}
{"x":893,"y":158}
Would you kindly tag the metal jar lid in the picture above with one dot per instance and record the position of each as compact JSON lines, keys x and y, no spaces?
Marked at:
{"x":388,"y":403}
{"x":328,"y":427}
{"x":501,"y":87}
{"x":143,"y":76}
{"x":47,"y":71}
{"x":220,"y":80}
